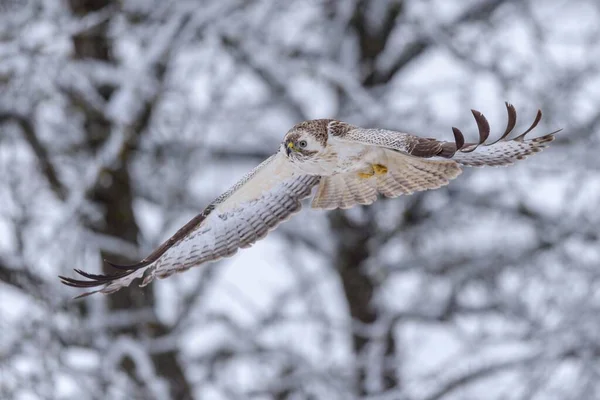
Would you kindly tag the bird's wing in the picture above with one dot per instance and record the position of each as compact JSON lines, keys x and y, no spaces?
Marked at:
{"x":260,"y":201}
{"x":503,"y":151}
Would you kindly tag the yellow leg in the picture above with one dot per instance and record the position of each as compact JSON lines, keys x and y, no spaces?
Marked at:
{"x":380,"y":169}
{"x":375,"y":169}
{"x":367,"y":174}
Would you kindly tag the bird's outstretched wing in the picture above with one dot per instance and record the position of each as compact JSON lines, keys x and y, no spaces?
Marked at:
{"x":260,"y":201}
{"x":503,"y":151}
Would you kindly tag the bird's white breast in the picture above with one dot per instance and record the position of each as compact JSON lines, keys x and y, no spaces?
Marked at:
{"x":340,"y":157}
{"x":354,"y":156}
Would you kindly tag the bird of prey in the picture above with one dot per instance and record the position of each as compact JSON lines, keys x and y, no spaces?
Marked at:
{"x":347,"y":164}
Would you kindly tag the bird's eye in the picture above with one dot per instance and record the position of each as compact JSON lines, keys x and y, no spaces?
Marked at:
{"x":302,"y":143}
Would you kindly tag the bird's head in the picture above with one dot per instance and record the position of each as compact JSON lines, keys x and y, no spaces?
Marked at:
{"x":306,"y":140}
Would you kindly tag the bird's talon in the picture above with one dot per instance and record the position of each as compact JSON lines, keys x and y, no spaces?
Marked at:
{"x":380,"y":169}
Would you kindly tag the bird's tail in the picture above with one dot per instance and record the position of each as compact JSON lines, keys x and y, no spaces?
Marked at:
{"x":344,"y":191}
{"x":403,"y":175}
{"x":407,"y":175}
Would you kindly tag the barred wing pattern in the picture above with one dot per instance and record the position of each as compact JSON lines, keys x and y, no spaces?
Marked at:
{"x":503,"y":151}
{"x":259,"y":202}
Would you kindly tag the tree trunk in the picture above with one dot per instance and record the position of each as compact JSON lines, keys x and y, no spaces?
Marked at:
{"x":350,"y":261}
{"x":352,"y":248}
{"x":113,"y":193}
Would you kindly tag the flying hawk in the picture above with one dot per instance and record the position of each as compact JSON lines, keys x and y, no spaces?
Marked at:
{"x":348,"y":164}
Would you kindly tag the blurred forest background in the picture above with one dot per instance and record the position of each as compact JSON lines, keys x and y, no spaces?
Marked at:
{"x":122,"y":119}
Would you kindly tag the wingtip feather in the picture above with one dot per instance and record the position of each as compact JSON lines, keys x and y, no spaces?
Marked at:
{"x":507,"y":151}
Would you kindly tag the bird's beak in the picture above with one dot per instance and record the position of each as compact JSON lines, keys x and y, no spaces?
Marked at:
{"x":289,"y":148}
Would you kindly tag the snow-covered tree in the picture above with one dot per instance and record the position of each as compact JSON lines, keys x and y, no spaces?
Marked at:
{"x":121,"y":119}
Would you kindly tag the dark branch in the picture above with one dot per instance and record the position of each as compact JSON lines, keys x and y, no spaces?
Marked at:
{"x":413,"y":50}
{"x":39,"y":150}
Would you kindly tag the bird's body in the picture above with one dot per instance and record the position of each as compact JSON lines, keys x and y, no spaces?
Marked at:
{"x":339,"y":158}
{"x":349,"y":165}
{"x":354,"y":157}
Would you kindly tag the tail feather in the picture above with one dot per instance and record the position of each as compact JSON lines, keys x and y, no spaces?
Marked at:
{"x":344,"y":191}
{"x":405,"y":175}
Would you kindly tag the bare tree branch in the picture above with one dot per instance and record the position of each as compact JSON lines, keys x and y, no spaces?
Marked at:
{"x":38,"y":149}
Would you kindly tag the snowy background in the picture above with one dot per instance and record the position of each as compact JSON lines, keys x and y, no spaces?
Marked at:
{"x":122,"y":119}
